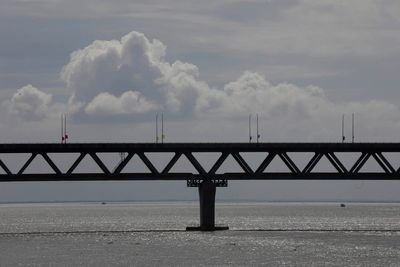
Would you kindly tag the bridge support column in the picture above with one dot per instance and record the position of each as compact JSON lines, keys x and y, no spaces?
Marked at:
{"x":207,"y":204}
{"x":207,"y":190}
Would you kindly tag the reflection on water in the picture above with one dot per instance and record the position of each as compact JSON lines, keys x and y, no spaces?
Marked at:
{"x":151,"y":234}
{"x":177,"y":215}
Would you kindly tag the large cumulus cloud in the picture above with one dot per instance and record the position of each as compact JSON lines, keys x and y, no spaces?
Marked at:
{"x":105,"y":71}
{"x":251,"y":92}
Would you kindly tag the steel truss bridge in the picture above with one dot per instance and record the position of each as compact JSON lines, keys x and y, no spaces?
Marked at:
{"x":206,"y":179}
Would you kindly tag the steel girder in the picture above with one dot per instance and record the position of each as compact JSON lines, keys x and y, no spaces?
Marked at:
{"x":270,"y":151}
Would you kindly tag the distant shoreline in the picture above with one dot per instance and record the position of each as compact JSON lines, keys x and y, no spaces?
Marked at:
{"x":233,"y":201}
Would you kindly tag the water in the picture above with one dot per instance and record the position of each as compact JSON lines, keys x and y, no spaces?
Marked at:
{"x":152,"y":234}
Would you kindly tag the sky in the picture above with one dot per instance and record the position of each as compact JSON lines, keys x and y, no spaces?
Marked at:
{"x":112,"y":65}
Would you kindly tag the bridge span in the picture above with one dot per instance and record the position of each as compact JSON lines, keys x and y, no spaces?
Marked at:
{"x":206,"y":179}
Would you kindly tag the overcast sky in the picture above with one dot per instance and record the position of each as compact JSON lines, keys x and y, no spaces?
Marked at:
{"x":112,"y":65}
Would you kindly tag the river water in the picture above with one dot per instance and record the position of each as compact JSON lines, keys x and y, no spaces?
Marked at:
{"x":153,"y":234}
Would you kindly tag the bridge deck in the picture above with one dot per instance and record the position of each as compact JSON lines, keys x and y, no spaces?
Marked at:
{"x":198,"y":147}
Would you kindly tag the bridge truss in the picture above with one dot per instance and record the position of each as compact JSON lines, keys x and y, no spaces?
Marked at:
{"x":269,"y":151}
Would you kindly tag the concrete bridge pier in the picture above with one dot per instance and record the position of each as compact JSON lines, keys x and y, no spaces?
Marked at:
{"x":207,"y":190}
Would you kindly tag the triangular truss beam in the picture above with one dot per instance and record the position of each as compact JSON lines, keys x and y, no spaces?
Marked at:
{"x":262,"y":171}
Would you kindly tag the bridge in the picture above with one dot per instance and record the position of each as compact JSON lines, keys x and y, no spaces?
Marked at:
{"x":206,"y":179}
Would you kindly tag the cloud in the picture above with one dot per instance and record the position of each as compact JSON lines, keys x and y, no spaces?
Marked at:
{"x":128,"y":103}
{"x":286,"y":104}
{"x":134,"y":68}
{"x":104,"y":69}
{"x":30,"y":103}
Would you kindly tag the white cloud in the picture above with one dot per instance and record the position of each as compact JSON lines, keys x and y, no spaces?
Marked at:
{"x":30,"y":103}
{"x":128,"y":103}
{"x":107,"y":68}
{"x":287,"y":105}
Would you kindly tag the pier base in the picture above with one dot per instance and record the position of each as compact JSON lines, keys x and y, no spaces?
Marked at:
{"x":207,"y":191}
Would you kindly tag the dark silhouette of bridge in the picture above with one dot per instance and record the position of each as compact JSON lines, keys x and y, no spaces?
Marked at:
{"x":206,"y":179}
